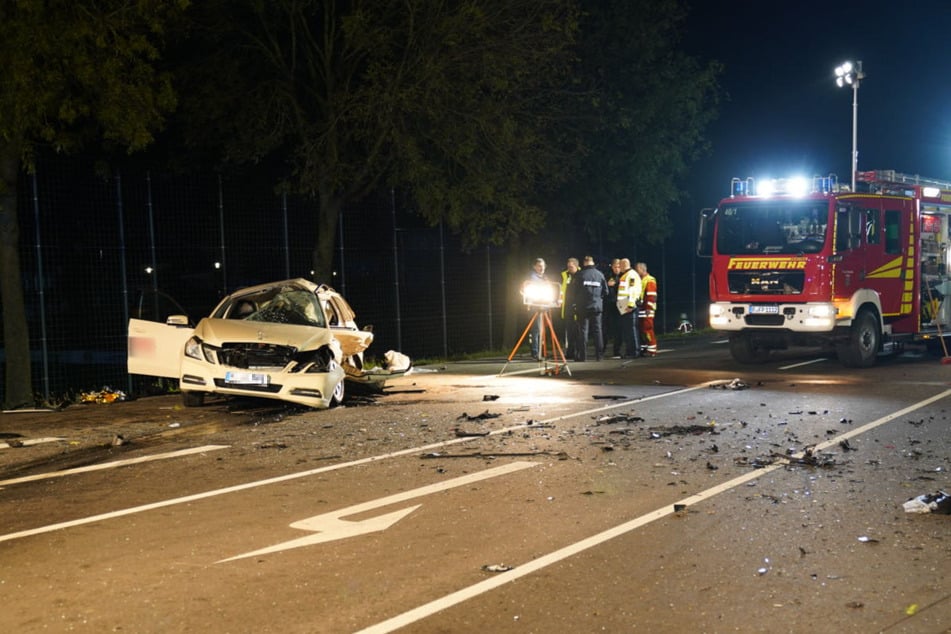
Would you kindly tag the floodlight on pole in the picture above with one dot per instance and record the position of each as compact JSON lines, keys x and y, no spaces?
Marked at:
{"x":849,"y":74}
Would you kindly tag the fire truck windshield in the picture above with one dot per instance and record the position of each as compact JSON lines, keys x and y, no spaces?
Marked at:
{"x":772,"y":226}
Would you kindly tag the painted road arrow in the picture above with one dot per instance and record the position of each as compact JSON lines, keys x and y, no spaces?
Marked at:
{"x":330,"y":527}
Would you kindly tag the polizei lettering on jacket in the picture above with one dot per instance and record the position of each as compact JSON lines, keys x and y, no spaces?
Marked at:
{"x":767,"y":263}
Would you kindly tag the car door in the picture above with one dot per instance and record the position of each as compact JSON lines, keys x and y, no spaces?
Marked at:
{"x":340,"y":318}
{"x":155,"y":348}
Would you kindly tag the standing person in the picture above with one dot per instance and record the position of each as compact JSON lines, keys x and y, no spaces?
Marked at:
{"x":567,"y":317}
{"x":628,"y":294}
{"x":537,"y":276}
{"x":586,"y":295}
{"x":612,"y":318}
{"x":648,"y":307}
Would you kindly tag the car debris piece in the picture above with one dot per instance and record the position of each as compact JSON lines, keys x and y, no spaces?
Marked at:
{"x":609,"y":397}
{"x":461,"y":433}
{"x":118,"y":440}
{"x":394,"y":361}
{"x":618,"y":418}
{"x":561,"y":455}
{"x":105,"y":395}
{"x":496,"y":568}
{"x":865,"y":539}
{"x":735,"y":384}
{"x":939,"y":502}
{"x":659,"y":432}
{"x":483,"y":416}
{"x":490,"y":397}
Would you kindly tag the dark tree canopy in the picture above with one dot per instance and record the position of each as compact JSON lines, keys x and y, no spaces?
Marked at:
{"x":451,"y":101}
{"x":70,"y":71}
{"x":644,"y":108}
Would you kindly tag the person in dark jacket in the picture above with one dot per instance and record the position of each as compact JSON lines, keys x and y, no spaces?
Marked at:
{"x":585,"y":296}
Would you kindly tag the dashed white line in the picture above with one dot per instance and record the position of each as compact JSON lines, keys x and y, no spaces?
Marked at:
{"x":112,"y":465}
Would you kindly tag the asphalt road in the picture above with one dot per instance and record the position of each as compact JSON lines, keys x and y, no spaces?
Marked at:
{"x":682,"y":493}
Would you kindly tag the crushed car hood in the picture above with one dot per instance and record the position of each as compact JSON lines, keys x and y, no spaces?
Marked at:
{"x":219,"y":331}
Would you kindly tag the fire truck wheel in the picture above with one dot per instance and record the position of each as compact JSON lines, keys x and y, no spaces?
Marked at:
{"x":744,"y":351}
{"x":864,"y":341}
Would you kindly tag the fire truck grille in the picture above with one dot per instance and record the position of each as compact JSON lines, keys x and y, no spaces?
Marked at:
{"x":766,"y":282}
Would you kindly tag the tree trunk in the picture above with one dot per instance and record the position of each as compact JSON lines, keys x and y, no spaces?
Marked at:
{"x":18,"y":390}
{"x":328,"y":214}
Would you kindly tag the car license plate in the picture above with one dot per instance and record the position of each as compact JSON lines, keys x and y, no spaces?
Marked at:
{"x":764,"y":310}
{"x":246,"y":378}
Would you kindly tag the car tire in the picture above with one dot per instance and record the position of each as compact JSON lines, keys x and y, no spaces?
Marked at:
{"x":193,"y":399}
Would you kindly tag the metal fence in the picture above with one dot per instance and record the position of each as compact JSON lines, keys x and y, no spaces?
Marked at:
{"x":97,"y":248}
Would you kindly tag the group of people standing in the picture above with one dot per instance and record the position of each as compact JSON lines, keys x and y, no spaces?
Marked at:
{"x":617,"y":309}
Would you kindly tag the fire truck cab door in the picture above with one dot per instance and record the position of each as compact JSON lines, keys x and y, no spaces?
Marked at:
{"x":850,"y":271}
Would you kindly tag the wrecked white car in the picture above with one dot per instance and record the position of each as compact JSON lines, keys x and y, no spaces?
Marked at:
{"x":291,"y":340}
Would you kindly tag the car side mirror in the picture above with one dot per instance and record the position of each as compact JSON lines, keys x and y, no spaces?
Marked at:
{"x":180,"y":321}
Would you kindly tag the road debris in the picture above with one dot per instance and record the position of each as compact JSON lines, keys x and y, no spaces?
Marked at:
{"x":483,"y":416}
{"x":609,"y":397}
{"x":681,"y":430}
{"x":105,"y":395}
{"x":735,"y":384}
{"x":490,"y":397}
{"x":939,"y":502}
{"x":496,"y":568}
{"x":609,"y":419}
{"x":462,"y":433}
{"x":561,"y":455}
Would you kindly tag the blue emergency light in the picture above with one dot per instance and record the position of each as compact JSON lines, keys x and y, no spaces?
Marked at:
{"x":793,"y":186}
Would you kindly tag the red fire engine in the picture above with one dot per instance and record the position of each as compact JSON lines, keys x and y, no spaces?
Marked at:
{"x":808,"y":262}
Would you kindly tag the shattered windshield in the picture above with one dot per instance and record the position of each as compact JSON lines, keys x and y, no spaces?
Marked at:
{"x":772,"y":227}
{"x":283,"y":305}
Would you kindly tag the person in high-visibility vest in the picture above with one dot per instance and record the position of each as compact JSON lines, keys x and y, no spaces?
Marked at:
{"x":648,"y":308}
{"x":567,"y":316}
{"x":628,"y":294}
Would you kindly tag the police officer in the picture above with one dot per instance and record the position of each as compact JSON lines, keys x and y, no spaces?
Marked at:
{"x":586,"y":294}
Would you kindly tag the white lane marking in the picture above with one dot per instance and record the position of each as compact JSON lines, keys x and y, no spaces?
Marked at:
{"x":343,"y":465}
{"x":428,"y":609}
{"x":330,"y":527}
{"x":29,"y":441}
{"x":112,"y":465}
{"x":799,"y":365}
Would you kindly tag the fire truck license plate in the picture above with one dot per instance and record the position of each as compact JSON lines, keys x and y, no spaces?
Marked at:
{"x":764,"y":310}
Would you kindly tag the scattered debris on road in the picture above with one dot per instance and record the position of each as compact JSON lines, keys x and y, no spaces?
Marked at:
{"x":103,"y":396}
{"x":735,"y":384}
{"x":496,"y":568}
{"x":483,"y":416}
{"x":939,"y":502}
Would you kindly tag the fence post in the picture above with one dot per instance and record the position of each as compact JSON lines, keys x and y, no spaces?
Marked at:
{"x":343,"y":275}
{"x":221,"y":230}
{"x":122,"y":263}
{"x":40,"y":289}
{"x":287,"y":246}
{"x":153,"y":273}
{"x":488,"y":277}
{"x":442,"y":283}
{"x":396,"y":274}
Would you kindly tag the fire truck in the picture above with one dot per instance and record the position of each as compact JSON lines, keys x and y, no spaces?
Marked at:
{"x":809,"y":262}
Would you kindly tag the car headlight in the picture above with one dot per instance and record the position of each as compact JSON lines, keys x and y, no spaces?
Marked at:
{"x":193,"y":348}
{"x":196,"y":349}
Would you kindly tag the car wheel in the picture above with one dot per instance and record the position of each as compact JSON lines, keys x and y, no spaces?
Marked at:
{"x":193,"y":399}
{"x":337,"y":397}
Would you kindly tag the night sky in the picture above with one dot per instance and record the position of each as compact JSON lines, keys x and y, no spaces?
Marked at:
{"x":785,"y":114}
